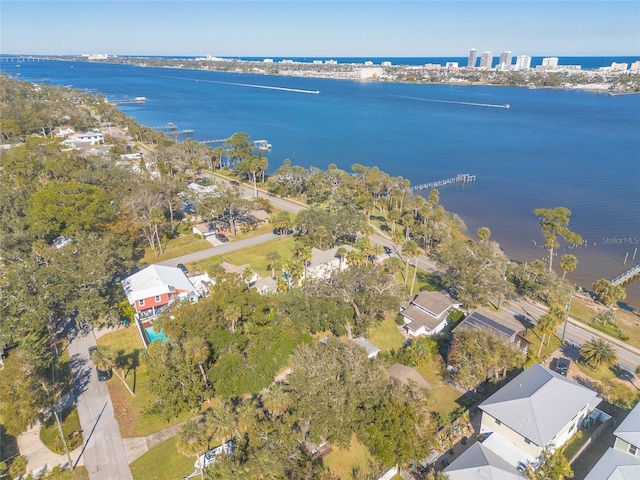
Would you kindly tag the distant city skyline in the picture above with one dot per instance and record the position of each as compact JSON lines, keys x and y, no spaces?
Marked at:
{"x":300,"y":28}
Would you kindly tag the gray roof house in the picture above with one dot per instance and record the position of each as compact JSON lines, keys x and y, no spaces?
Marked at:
{"x":501,"y":324}
{"x":324,"y":262}
{"x":427,"y":312}
{"x":478,"y":462}
{"x":538,"y":409}
{"x":622,"y":461}
{"x":372,"y":350}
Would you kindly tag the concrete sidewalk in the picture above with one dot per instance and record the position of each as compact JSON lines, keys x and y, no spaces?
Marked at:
{"x":39,"y":457}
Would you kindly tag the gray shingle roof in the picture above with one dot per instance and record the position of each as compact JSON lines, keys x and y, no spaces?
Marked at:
{"x":538,"y":403}
{"x":615,"y":465}
{"x":480,"y":463}
{"x":420,"y":318}
{"x":629,"y":429}
{"x":435,"y":302}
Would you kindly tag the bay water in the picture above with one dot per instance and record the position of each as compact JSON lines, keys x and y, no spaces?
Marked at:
{"x":551,"y":147}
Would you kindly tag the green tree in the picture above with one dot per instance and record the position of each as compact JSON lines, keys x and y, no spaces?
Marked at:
{"x":64,"y":208}
{"x":555,"y":222}
{"x":228,"y":202}
{"x":608,"y":293}
{"x":105,"y":359}
{"x":192,"y":441}
{"x":221,"y":423}
{"x":275,"y":261}
{"x":555,"y":466}
{"x":197,"y":352}
{"x":281,"y":221}
{"x":568,"y":263}
{"x":547,"y":326}
{"x":276,"y":401}
{"x":409,"y":249}
{"x":24,"y":392}
{"x":483,"y":234}
{"x":599,"y":352}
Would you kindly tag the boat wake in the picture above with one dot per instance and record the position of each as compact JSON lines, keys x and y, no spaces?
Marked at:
{"x":250,"y":85}
{"x":472,"y":104}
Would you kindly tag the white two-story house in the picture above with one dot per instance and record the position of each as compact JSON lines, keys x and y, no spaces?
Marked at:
{"x":536,"y":411}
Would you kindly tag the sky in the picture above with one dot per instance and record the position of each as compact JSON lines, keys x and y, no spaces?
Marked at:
{"x":298,"y":28}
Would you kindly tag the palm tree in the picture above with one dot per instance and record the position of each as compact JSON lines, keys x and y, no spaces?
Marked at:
{"x":568,"y":263}
{"x":547,"y":325}
{"x":409,"y":249}
{"x":276,"y":401}
{"x":599,"y":352}
{"x":221,"y":423}
{"x":303,"y":253}
{"x":197,"y":352}
{"x":192,"y":441}
{"x":483,"y":234}
{"x":232,"y":314}
{"x":415,"y":268}
{"x":104,"y":359}
{"x":246,"y":414}
{"x":274,"y":261}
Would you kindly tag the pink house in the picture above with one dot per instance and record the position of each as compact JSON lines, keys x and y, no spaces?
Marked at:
{"x":152,"y":290}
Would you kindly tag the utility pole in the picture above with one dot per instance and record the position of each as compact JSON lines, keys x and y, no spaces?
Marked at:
{"x":566,"y":318}
{"x":64,"y":440}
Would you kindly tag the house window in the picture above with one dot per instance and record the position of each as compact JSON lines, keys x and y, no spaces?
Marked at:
{"x":157,"y":298}
{"x":632,"y":450}
{"x":527,"y":441}
{"x":141,"y":302}
{"x":498,"y":422}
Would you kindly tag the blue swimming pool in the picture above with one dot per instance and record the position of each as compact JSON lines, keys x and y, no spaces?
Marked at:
{"x":152,"y":335}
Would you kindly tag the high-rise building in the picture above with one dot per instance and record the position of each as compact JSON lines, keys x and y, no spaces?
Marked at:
{"x":505,"y":58}
{"x":473,"y":55}
{"x":523,"y":62}
{"x":486,"y":60}
{"x":550,"y":62}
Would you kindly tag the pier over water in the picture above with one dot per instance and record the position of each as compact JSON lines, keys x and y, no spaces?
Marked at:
{"x":460,"y":178}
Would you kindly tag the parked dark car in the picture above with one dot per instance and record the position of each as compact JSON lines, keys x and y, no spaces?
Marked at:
{"x":182,"y":267}
{"x":235,"y":183}
{"x":563,"y":366}
{"x":221,"y":237}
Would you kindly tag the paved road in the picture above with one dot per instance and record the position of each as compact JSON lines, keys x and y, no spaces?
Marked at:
{"x":220,"y":250}
{"x":104,"y":454}
{"x":577,"y":333}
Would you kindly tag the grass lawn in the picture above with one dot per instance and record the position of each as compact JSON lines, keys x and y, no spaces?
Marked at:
{"x":129,"y":409}
{"x":534,"y":339}
{"x":601,"y":373}
{"x":176,"y":247}
{"x":385,"y":335}
{"x":441,"y":396}
{"x":71,"y":428}
{"x":254,"y":256}
{"x":162,"y":462}
{"x":342,"y":462}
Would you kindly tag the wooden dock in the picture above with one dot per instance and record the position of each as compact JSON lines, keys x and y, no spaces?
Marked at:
{"x":460,"y":178}
{"x":626,"y":276}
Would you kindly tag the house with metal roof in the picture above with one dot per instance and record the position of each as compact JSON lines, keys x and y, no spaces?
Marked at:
{"x":538,"y":410}
{"x":427,"y":312}
{"x":372,"y":350}
{"x":498,"y":323}
{"x":622,"y":461}
{"x":478,"y":462}
{"x":152,"y":290}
